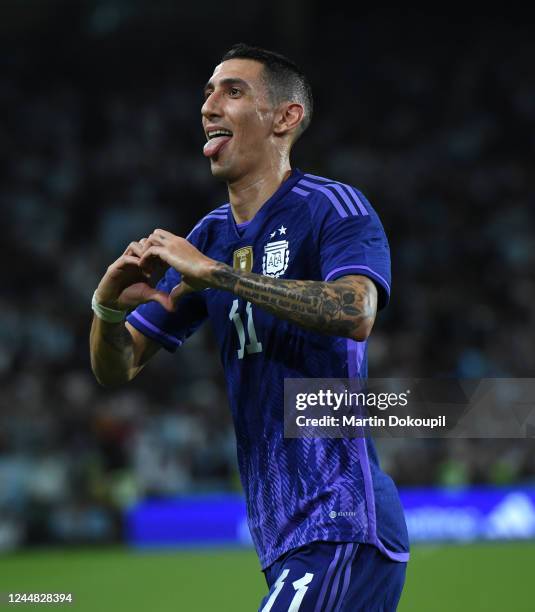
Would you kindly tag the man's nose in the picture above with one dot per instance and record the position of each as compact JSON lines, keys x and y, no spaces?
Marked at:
{"x":211,"y":107}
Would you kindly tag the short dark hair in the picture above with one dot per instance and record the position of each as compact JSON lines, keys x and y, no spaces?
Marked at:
{"x":284,"y":80}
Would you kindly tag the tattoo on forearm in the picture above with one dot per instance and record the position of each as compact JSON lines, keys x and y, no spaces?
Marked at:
{"x":337,"y":308}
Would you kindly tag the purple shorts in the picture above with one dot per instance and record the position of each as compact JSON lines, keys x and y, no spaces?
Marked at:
{"x":333,"y":577}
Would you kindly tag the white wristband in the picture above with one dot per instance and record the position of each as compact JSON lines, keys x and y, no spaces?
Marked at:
{"x":109,"y":315}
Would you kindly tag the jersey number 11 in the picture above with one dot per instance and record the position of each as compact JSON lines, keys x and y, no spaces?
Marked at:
{"x":254,"y":346}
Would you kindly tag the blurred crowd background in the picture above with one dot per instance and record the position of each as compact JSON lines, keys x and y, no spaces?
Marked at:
{"x":433,"y":118}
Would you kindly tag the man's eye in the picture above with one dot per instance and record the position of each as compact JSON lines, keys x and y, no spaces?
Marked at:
{"x":234,"y":91}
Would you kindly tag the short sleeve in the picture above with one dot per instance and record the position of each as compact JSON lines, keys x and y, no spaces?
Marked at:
{"x":354,"y":244}
{"x":170,"y":329}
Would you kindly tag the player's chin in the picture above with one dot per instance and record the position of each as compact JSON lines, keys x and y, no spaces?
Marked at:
{"x":222,"y":170}
{"x":219,"y":171}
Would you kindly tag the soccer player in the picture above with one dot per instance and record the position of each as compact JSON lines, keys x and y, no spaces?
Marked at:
{"x":291,"y":271}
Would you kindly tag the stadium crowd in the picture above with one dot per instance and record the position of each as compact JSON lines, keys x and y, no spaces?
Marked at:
{"x":442,"y":145}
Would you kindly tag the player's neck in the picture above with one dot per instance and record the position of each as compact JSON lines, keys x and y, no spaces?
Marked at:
{"x":248,"y":194}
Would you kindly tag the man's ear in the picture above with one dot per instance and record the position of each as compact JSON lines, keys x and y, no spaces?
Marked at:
{"x":288,"y":118}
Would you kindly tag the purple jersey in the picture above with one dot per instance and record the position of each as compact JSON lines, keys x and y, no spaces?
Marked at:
{"x":297,"y":490}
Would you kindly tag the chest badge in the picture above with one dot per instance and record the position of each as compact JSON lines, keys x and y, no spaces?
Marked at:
{"x":276,"y":255}
{"x":243,"y":259}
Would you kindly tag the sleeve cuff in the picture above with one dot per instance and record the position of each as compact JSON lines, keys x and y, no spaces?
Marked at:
{"x":168,"y":341}
{"x":384,"y":295}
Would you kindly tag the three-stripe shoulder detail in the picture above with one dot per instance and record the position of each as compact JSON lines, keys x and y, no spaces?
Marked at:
{"x":344,"y":198}
{"x":220,"y":213}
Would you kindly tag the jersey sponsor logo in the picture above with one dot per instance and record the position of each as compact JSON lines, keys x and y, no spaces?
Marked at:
{"x":243,"y":259}
{"x":276,"y":258}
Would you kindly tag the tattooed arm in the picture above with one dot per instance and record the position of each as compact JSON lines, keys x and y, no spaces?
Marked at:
{"x":345,"y":307}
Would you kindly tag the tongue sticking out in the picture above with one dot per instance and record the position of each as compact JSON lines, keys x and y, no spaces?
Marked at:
{"x":213,"y":146}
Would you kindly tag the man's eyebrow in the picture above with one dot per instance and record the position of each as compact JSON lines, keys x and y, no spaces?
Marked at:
{"x":228,"y":81}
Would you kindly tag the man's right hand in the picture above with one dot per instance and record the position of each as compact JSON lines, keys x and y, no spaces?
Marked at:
{"x":125,"y":285}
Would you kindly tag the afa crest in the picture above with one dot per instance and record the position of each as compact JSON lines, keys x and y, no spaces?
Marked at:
{"x":276,"y":258}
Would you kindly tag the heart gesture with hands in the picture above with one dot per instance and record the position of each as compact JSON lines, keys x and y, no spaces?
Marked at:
{"x":163,"y":247}
{"x":127,"y":281}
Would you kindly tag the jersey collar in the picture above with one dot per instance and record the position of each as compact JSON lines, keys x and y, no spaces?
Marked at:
{"x":263,"y":211}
